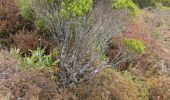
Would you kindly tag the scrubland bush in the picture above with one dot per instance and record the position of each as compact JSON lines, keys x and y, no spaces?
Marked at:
{"x":145,"y":3}
{"x":74,"y":9}
{"x":140,"y":27}
{"x":80,"y":33}
{"x":29,"y":40}
{"x":11,"y":67}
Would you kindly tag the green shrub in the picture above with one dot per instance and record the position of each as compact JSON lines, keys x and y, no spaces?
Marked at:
{"x":166,"y":3}
{"x":75,"y":8}
{"x":152,"y":3}
{"x":134,"y":45}
{"x":25,"y":8}
{"x":127,"y":4}
{"x":145,"y":3}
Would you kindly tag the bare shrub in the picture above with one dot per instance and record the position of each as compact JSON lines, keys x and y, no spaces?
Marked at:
{"x":81,"y":41}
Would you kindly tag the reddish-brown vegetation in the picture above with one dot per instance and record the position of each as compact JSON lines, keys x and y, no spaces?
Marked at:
{"x":25,"y":41}
{"x":11,"y":21}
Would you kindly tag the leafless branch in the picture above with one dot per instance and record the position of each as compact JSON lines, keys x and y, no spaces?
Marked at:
{"x":82,"y":46}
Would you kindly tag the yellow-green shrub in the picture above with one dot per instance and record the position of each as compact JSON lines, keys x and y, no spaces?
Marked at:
{"x":134,"y":45}
{"x":73,"y":8}
{"x":127,"y":4}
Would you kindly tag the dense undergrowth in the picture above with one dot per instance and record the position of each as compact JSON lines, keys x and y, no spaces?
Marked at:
{"x":135,"y":58}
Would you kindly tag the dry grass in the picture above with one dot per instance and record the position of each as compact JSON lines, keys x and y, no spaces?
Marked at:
{"x":112,"y":85}
{"x":159,"y":88}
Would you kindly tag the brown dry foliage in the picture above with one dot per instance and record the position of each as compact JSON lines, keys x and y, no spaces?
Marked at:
{"x":113,"y":46}
{"x":7,"y":8}
{"x":13,"y":79}
{"x":11,"y":21}
{"x":25,"y":40}
{"x":28,"y":40}
{"x":10,"y":26}
{"x":8,"y":16}
{"x":17,"y":83}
